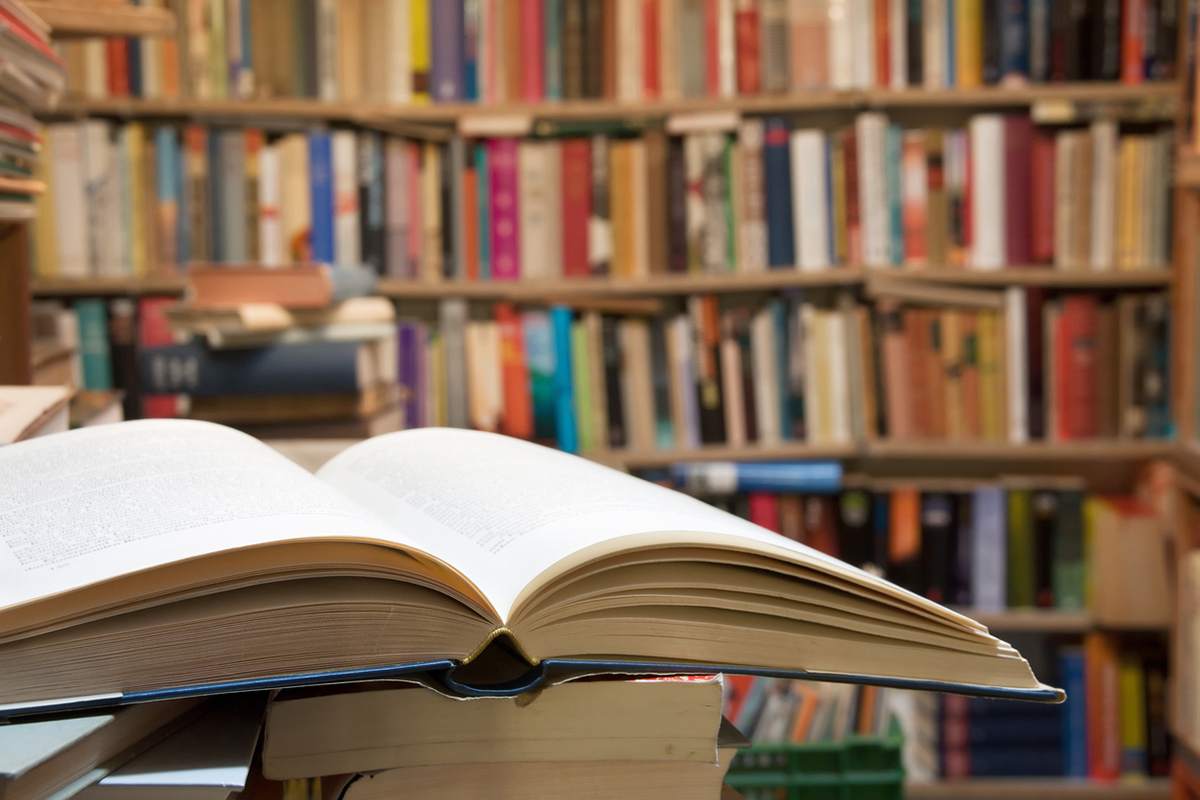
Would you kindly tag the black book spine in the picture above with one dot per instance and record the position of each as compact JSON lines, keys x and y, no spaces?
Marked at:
{"x":914,"y":35}
{"x":614,"y":392}
{"x":935,"y":578}
{"x":963,"y":506}
{"x":370,"y":200}
{"x":855,"y":534}
{"x":1045,"y":515}
{"x":1106,"y":40}
{"x":676,"y":207}
{"x":660,"y":376}
{"x":1079,"y":41}
{"x":1035,"y":299}
{"x":993,"y":29}
{"x":593,"y":49}
{"x":122,"y":341}
{"x":1164,"y":68}
{"x":880,"y":530}
{"x":705,"y":327}
{"x":1059,"y":10}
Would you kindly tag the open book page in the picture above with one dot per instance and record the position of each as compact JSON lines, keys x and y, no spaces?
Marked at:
{"x":82,"y":507}
{"x":504,"y":511}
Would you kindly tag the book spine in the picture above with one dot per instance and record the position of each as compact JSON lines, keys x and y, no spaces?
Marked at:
{"x":483,"y":195}
{"x":371,"y":200}
{"x":564,"y":392}
{"x":989,"y":550}
{"x":1018,"y":189}
{"x":600,"y":234}
{"x":346,"y":214}
{"x":533,"y":44}
{"x":446,"y":51}
{"x":780,"y":217}
{"x":518,"y":407}
{"x":314,"y":368}
{"x":506,"y":244}
{"x":1133,"y":37}
{"x":749,"y":53}
{"x":396,"y":207}
{"x":552,"y":16}
{"x":322,"y":187}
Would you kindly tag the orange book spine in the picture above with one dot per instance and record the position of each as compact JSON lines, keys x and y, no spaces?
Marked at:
{"x":883,"y":45}
{"x":1102,"y":687}
{"x":517,"y":419}
{"x":1133,"y":37}
{"x":651,"y":58}
{"x":118,"y":67}
{"x":866,"y":709}
{"x":168,"y":51}
{"x":904,"y":526}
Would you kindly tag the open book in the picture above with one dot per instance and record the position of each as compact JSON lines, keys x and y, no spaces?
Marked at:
{"x":156,"y":558}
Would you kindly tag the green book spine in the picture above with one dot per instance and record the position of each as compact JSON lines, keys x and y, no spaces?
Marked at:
{"x":94,"y":351}
{"x":582,"y":375}
{"x":1068,"y":551}
{"x":1022,"y":588}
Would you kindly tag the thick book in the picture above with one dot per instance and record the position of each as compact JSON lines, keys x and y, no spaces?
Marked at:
{"x":470,"y":541}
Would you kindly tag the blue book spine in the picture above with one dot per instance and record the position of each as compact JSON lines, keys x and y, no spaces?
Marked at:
{"x":552,"y":20}
{"x":216,"y":193}
{"x":989,"y":549}
{"x":166,"y":185}
{"x":94,"y":350}
{"x":471,"y":36}
{"x":1020,"y":761}
{"x":1074,"y":731}
{"x":1009,"y":731}
{"x":893,"y":143}
{"x":727,"y":477}
{"x":779,"y":316}
{"x":539,"y":356}
{"x":320,"y":171}
{"x":483,"y":198}
{"x":881,"y":521}
{"x":777,"y":168}
{"x":134,"y":48}
{"x":564,"y":388}
{"x":752,"y":706}
{"x":446,"y":50}
{"x":409,"y":369}
{"x":1014,"y":37}
{"x":310,"y":368}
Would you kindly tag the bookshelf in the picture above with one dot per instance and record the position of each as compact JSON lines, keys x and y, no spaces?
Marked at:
{"x":1038,"y":620}
{"x":1061,"y":101}
{"x":1042,"y":789}
{"x":70,"y":19}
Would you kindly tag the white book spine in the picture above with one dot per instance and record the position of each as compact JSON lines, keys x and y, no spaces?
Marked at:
{"x":233,"y":204}
{"x":766,"y":376}
{"x":532,"y":205}
{"x":841,"y":44}
{"x":1064,"y":218}
{"x":1104,"y":194}
{"x":988,"y":222}
{"x":813,"y":391}
{"x":629,"y":65}
{"x":898,"y":43}
{"x":347,"y":232}
{"x":733,"y":396}
{"x":862,"y":32}
{"x":641,"y":222}
{"x":989,"y":551}
{"x":752,"y":249}
{"x":870,"y":129}
{"x":810,"y":200}
{"x":1016,"y":364}
{"x":327,"y":37}
{"x":726,"y":49}
{"x":123,"y":233}
{"x":554,"y":235}
{"x":95,"y":69}
{"x":270,"y":232}
{"x":399,"y":62}
{"x":934,"y":42}
{"x":681,"y":328}
{"x":1160,"y":253}
{"x":839,"y":376}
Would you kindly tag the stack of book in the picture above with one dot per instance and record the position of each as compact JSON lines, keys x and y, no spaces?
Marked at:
{"x":496,"y":51}
{"x":288,"y":352}
{"x":32,"y":76}
{"x":717,"y":194}
{"x":182,"y":597}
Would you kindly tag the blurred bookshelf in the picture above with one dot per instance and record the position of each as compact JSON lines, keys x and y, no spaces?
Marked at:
{"x":1043,"y":789}
{"x":78,"y":19}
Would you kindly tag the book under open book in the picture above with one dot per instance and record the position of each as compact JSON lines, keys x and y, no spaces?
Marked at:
{"x":159,"y":558}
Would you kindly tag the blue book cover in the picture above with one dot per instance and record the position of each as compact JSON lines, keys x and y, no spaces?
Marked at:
{"x":893,"y":143}
{"x":309,"y":368}
{"x":552,"y":21}
{"x":446,"y":50}
{"x":777,"y":166}
{"x":471,"y":36}
{"x":94,"y":349}
{"x":564,"y":387}
{"x":989,"y":549}
{"x":728,"y":477}
{"x":1074,"y":728}
{"x":216,"y":193}
{"x":1014,"y":37}
{"x":752,"y":706}
{"x":320,"y":173}
{"x":484,"y":200}
{"x":539,"y":357}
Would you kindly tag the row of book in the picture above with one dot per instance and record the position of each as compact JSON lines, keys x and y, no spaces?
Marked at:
{"x":497,"y":51}
{"x":817,"y":367}
{"x":757,"y":196}
{"x":1113,"y":724}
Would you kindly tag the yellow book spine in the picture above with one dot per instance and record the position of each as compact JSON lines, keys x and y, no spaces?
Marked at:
{"x":989,"y":373}
{"x":952,"y":366}
{"x":136,"y":140}
{"x":1132,"y":688}
{"x":969,"y":35}
{"x":431,"y":213}
{"x":420,"y":50}
{"x":1127,"y":202}
{"x":45,"y":231}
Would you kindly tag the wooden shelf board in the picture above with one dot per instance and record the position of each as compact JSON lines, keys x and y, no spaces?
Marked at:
{"x":70,"y":287}
{"x":1187,"y":168}
{"x":1033,"y":451}
{"x":635,"y":459}
{"x":1159,"y":92}
{"x":1040,"y":788}
{"x":1040,"y":276}
{"x":86,"y":18}
{"x":1041,"y":620}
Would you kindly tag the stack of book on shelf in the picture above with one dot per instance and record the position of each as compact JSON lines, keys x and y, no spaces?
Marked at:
{"x":712,"y":194}
{"x":287,"y":352}
{"x":433,"y":614}
{"x":32,"y":76}
{"x":404,"y":51}
{"x":27,"y":412}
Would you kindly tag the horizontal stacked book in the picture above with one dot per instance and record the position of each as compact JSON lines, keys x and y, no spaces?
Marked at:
{"x":712,"y":196}
{"x":508,"y":51}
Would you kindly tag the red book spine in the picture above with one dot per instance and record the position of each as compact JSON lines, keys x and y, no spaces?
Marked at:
{"x":155,"y":331}
{"x":749,"y":72}
{"x":576,"y":205}
{"x":883,"y":45}
{"x":764,"y":510}
{"x":712,"y":47}
{"x":1041,"y":203}
{"x":470,"y":211}
{"x":1133,"y":37}
{"x":532,"y":49}
{"x":1018,"y":177}
{"x":651,"y":58}
{"x":1079,"y":323}
{"x":118,"y":67}
{"x":820,"y":526}
{"x":517,"y":419}
{"x":956,"y":736}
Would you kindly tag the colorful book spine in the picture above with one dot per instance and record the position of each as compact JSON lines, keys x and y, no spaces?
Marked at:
{"x":320,"y":166}
{"x":94,"y":352}
{"x":564,"y":392}
{"x":446,"y":51}
{"x":505,"y":222}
